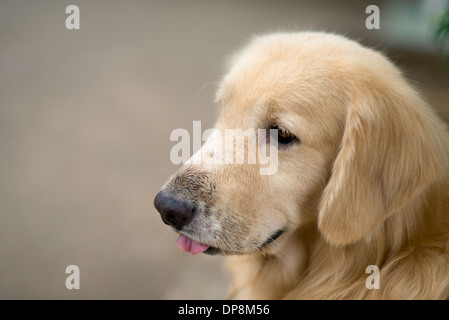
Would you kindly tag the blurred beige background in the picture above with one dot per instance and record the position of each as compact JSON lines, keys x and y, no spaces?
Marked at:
{"x":85,"y":121}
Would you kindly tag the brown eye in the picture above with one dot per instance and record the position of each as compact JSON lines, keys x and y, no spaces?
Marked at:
{"x":284,"y":136}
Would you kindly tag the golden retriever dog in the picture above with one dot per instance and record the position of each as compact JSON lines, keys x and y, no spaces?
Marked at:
{"x":362,"y":179}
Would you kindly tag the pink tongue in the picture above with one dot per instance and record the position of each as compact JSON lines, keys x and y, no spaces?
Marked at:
{"x":188,"y":245}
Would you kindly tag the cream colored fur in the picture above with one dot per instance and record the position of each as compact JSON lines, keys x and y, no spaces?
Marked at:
{"x":366,"y":182}
{"x":386,"y":196}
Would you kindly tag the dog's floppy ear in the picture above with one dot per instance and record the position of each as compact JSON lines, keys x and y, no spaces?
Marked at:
{"x":389,"y":152}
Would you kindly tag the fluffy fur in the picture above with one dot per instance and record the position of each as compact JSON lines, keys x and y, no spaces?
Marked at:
{"x":365,"y":183}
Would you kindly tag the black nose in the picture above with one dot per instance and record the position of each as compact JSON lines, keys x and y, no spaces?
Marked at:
{"x":174,"y":212}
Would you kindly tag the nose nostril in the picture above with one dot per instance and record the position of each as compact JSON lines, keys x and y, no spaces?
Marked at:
{"x":172,"y":219}
{"x":175,"y":212}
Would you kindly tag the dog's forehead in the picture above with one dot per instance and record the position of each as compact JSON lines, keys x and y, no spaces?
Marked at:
{"x":290,"y":81}
{"x":285,"y":72}
{"x":271,"y":98}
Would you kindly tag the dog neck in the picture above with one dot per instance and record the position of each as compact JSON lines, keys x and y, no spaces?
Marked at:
{"x":308,"y":267}
{"x":263,"y":275}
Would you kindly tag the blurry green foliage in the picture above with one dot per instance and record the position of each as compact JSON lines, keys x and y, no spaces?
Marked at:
{"x":442,"y":34}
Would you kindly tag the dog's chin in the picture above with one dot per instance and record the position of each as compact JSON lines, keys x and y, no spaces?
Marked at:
{"x":212,"y":251}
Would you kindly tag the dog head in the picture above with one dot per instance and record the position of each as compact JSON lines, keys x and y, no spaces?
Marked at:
{"x":341,"y":121}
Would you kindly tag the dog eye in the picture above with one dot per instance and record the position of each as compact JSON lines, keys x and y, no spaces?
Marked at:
{"x":284,"y":136}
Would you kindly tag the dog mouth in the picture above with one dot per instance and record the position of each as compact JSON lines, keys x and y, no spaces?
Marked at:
{"x":273,"y":237}
{"x":188,"y":244}
{"x":194,"y":247}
